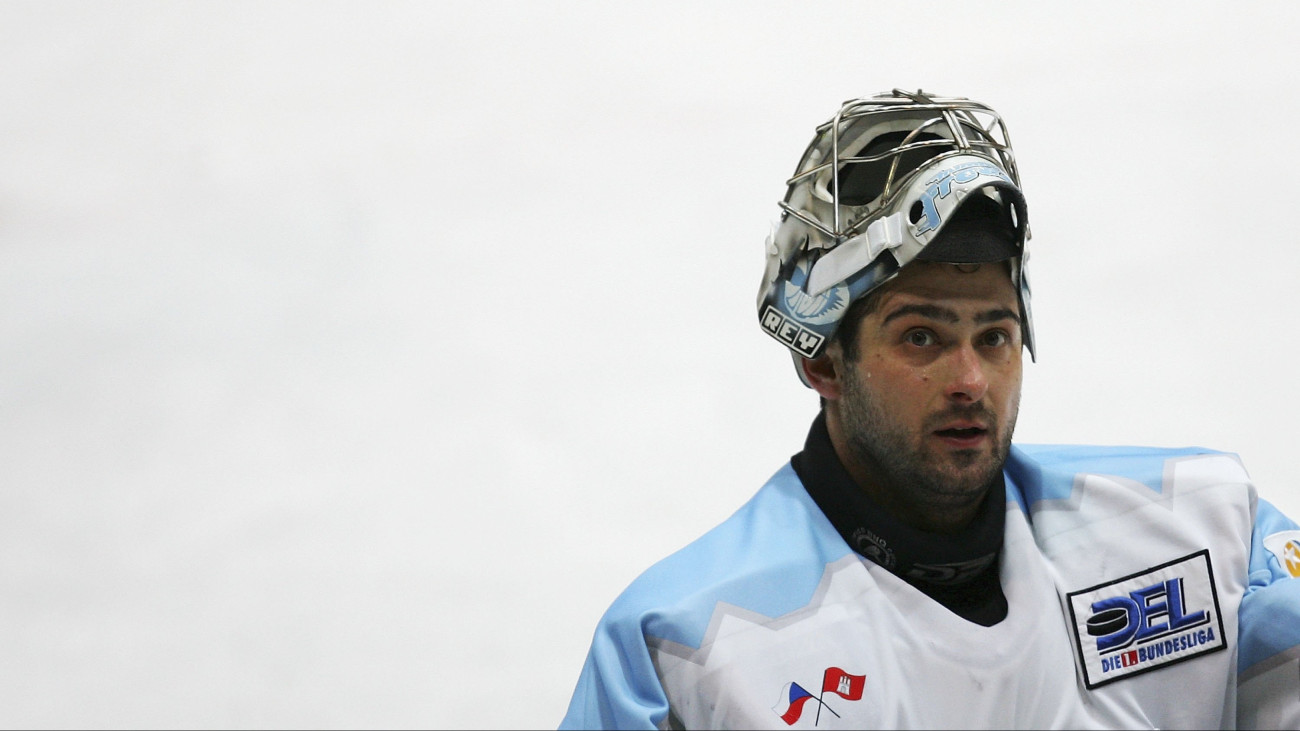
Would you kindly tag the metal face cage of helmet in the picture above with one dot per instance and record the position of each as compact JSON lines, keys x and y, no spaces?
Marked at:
{"x":878,"y":184}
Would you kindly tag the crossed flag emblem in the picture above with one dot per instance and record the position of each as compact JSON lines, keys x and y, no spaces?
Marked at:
{"x":834,"y":680}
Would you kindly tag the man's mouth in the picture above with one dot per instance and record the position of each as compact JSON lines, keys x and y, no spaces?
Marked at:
{"x":962,"y":436}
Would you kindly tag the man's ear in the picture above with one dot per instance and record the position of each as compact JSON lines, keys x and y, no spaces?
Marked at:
{"x":824,"y":373}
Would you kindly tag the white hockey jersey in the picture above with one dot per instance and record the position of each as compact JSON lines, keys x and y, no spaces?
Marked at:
{"x":1145,"y":588}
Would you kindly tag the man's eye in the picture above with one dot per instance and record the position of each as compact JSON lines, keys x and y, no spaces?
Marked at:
{"x":995,"y":338}
{"x":920,"y":337}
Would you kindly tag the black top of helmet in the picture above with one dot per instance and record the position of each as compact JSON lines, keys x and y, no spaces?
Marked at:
{"x":979,"y":231}
{"x":862,"y":182}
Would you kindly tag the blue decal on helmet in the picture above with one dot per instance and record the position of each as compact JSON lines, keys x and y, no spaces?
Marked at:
{"x":941,"y":185}
{"x":821,"y":309}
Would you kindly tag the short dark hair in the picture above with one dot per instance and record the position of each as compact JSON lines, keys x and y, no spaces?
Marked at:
{"x":847,"y":332}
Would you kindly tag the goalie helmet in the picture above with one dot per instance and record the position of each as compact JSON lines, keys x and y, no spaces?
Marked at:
{"x":879,"y":185}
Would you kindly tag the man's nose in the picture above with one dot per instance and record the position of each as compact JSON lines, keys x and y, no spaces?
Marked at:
{"x":967,"y":381}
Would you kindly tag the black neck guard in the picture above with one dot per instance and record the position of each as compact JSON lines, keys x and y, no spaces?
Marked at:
{"x":960,"y":571}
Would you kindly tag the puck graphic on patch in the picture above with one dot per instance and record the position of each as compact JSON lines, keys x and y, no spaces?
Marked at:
{"x":1107,"y":621}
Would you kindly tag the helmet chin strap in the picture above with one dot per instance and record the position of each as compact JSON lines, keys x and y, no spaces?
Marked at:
{"x":844,"y":260}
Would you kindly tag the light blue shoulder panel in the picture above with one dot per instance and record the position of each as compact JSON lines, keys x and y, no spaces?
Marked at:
{"x":763,"y":559}
{"x":1270,"y":611}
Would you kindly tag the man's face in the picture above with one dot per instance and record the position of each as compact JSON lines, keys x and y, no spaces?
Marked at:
{"x":927,"y":408}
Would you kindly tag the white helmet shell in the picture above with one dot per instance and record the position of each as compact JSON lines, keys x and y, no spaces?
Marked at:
{"x":875,"y":187}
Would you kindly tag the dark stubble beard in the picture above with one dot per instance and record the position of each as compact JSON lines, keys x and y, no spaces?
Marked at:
{"x":928,"y":483}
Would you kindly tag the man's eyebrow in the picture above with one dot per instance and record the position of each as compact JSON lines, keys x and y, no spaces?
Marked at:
{"x":944,"y":314}
{"x":1001,"y":313}
{"x":934,"y":312}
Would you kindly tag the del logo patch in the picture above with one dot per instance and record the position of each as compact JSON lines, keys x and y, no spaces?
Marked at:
{"x":1148,"y":620}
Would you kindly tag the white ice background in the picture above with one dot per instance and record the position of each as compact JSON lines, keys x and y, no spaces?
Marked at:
{"x":353,"y":356}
